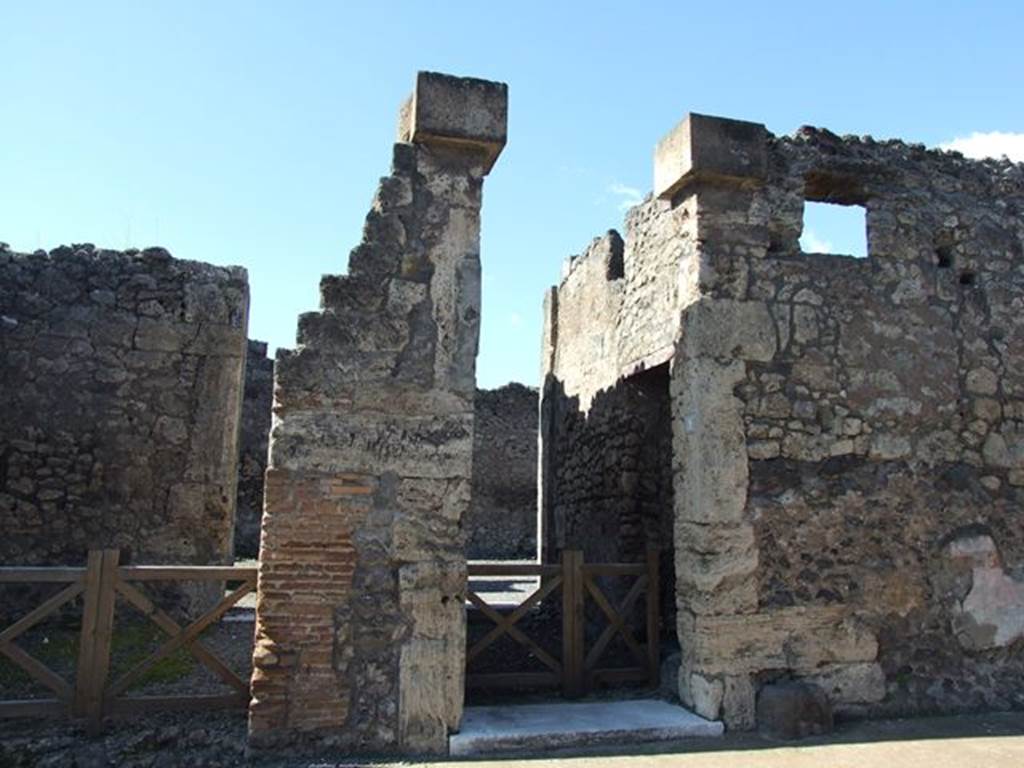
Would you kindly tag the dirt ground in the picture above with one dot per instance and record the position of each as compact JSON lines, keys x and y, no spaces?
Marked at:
{"x":218,"y":741}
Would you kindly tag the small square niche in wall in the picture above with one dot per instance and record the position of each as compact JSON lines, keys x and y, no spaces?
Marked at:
{"x":835,"y":229}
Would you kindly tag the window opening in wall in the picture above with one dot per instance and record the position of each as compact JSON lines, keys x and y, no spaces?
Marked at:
{"x":836,"y":229}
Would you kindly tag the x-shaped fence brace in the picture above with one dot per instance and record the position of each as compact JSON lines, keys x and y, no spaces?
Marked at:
{"x":31,"y":665}
{"x":617,"y":620}
{"x":507,"y":623}
{"x":179,"y":637}
{"x":576,"y":580}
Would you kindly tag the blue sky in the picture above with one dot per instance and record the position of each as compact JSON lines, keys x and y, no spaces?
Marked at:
{"x":254,"y":133}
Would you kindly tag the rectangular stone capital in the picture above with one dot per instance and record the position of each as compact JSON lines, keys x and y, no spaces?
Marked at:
{"x":702,"y":147}
{"x":456,"y":112}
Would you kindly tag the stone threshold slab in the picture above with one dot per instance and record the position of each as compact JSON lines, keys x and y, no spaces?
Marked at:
{"x":529,"y":727}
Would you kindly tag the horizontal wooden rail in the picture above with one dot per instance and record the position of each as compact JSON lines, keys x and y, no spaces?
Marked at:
{"x":478,"y":680}
{"x":33,"y":708}
{"x":42,"y":574}
{"x":186,"y":573}
{"x":39,"y":575}
{"x":508,"y":569}
{"x":128,"y":705}
{"x":614,"y":569}
{"x":620,"y":675}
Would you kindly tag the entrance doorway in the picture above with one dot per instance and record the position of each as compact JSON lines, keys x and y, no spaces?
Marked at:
{"x":571,"y":633}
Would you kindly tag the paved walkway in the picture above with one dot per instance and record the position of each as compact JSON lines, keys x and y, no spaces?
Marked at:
{"x":983,"y":741}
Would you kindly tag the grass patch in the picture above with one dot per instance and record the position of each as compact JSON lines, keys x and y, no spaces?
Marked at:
{"x":134,"y":642}
{"x":57,"y":648}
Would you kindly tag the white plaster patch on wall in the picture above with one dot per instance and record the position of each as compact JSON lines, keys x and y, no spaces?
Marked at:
{"x":997,"y":600}
{"x":994,"y":608}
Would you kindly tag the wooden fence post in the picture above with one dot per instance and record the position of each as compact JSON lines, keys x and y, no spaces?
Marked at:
{"x":572,"y":623}
{"x":97,"y":628}
{"x":653,"y":612}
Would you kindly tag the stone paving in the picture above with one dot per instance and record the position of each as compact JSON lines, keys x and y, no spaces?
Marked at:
{"x":970,"y":741}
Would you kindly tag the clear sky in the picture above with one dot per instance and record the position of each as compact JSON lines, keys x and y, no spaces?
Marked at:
{"x":254,"y":133}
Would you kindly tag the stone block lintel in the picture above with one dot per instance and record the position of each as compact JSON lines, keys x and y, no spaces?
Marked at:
{"x":462,"y":112}
{"x":705,"y":148}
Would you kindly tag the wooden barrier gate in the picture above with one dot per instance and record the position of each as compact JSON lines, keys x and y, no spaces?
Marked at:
{"x":101,"y":581}
{"x":578,"y":669}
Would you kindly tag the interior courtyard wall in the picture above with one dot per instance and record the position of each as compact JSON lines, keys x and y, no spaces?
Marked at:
{"x":257,"y":402}
{"x":501,"y":523}
{"x":609,"y":329}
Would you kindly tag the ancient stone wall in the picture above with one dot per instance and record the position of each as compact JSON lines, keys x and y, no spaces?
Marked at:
{"x":502,"y":520}
{"x":882,"y":423}
{"x":252,"y":448}
{"x":121,"y":376}
{"x":606,"y":460}
{"x":610,"y":479}
{"x":848,"y":439}
{"x":360,"y":634}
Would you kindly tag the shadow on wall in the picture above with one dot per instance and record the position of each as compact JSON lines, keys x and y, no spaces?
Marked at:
{"x":607,"y":476}
{"x":253,"y":441}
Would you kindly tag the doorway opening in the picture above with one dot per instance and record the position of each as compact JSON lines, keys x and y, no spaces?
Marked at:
{"x":599,"y":611}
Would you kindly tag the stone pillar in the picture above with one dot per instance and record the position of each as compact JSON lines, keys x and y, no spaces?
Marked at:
{"x":728,"y":337}
{"x":360,"y":625}
{"x":719,"y":162}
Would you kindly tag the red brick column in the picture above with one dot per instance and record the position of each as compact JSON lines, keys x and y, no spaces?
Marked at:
{"x":306,"y":568}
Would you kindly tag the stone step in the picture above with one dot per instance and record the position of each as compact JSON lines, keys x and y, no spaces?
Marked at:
{"x":536,"y":727}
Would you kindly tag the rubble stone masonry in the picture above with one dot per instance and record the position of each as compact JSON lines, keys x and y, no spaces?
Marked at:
{"x":121,"y":378}
{"x":360,"y":633}
{"x":848,"y":434}
{"x":502,"y":520}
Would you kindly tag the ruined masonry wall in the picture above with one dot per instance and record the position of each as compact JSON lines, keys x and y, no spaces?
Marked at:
{"x":252,"y":448}
{"x":121,"y":376}
{"x":881,"y":407}
{"x":883,"y":425}
{"x":610,"y":326}
{"x":502,"y":519}
{"x":360,"y":617}
{"x":848,"y":434}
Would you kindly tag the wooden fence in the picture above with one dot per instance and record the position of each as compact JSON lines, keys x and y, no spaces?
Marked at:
{"x":579,"y":668}
{"x":100,"y":582}
{"x":92,"y":695}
